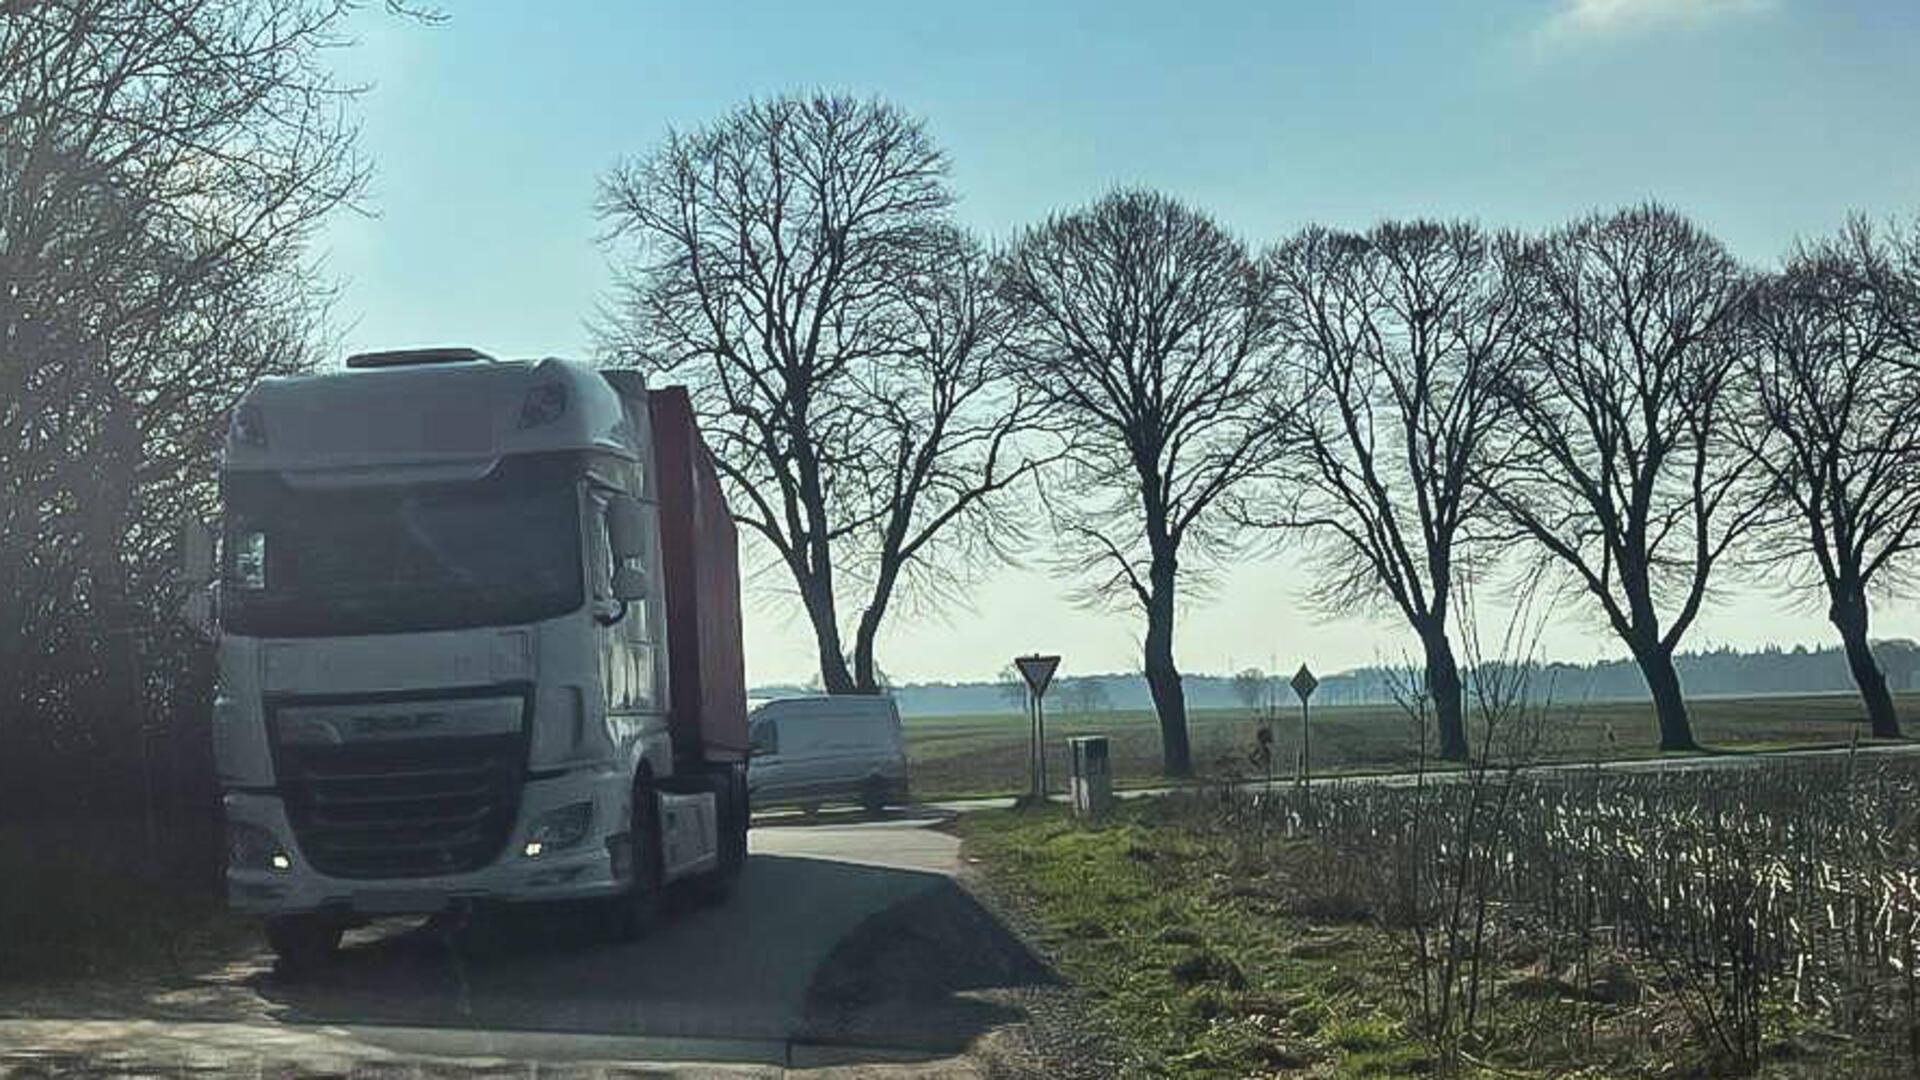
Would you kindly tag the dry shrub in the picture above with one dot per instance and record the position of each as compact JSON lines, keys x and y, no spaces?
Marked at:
{"x":1700,"y":915}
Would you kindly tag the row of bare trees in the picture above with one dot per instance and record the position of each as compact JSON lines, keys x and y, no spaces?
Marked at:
{"x":1618,"y":404}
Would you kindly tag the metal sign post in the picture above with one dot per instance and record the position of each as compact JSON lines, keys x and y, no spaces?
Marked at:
{"x":1304,"y":684}
{"x":1038,"y":672}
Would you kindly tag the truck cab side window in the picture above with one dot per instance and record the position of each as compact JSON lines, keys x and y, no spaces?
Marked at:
{"x":599,"y":549}
{"x":629,"y":663}
{"x":765,"y":738}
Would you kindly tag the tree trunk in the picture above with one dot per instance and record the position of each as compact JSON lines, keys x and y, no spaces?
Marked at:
{"x":1849,"y":616}
{"x":1443,"y":683}
{"x":118,"y":697}
{"x":1163,"y":679}
{"x":1669,"y":705}
{"x":866,"y":673}
{"x":834,"y":676}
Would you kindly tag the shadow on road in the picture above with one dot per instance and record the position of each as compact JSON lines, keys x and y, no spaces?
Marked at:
{"x":805,"y":951}
{"x":931,"y":972}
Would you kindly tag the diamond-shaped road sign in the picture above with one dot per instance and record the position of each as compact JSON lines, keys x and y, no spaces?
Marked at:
{"x":1038,"y":671}
{"x":1304,"y":683}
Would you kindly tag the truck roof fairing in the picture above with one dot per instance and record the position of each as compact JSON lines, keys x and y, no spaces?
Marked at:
{"x":440,"y":414}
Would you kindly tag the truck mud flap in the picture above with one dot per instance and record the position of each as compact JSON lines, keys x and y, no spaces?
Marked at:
{"x":689,"y":833}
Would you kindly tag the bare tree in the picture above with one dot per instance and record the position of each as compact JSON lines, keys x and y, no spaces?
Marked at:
{"x":1085,"y":695}
{"x":1147,"y":327}
{"x":943,"y":441}
{"x":1256,"y":689}
{"x":794,"y":262}
{"x":1012,"y":688}
{"x":162,"y":166}
{"x":1837,"y":394}
{"x":1899,"y":658}
{"x":1625,"y":469}
{"x":1400,"y":342}
{"x":1901,"y":269}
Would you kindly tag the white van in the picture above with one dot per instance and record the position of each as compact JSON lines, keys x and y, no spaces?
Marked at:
{"x":838,"y":748}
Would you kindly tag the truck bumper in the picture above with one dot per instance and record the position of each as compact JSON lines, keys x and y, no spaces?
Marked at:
{"x":582,"y":870}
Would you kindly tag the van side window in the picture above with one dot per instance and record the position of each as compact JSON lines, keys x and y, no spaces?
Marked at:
{"x":766,"y":737}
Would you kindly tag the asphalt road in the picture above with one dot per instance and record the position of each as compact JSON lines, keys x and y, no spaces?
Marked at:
{"x":781,"y":975}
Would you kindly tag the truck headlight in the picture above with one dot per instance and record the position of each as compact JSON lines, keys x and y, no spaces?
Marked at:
{"x":250,"y":847}
{"x":557,"y":829}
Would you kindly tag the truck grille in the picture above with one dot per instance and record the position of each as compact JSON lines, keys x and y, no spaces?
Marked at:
{"x":399,"y":808}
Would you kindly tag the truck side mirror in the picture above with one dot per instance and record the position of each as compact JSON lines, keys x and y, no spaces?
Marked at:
{"x":198,"y":574}
{"x":626,"y":528}
{"x":196,"y":554}
{"x":627,"y":536}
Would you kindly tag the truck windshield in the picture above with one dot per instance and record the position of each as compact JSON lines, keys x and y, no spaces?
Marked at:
{"x":498,"y":551}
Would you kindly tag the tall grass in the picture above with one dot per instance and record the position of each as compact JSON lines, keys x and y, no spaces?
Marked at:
{"x":1735,"y":908}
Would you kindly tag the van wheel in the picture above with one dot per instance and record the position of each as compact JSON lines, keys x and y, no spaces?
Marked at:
{"x":637,"y":910}
{"x":873,"y":795}
{"x":304,"y":942}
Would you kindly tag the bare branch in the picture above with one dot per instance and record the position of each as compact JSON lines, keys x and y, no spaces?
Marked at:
{"x":794,"y":263}
{"x":1147,"y":331}
{"x":1626,"y":402}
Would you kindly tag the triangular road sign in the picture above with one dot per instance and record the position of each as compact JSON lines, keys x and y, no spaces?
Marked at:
{"x":1304,"y":683}
{"x":1038,"y":671}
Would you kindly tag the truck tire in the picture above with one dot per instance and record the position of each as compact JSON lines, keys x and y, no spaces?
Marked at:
{"x":873,"y":795}
{"x":637,"y":910}
{"x":304,"y":942}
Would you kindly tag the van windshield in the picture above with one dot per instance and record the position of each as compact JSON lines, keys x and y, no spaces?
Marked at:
{"x":497,"y":551}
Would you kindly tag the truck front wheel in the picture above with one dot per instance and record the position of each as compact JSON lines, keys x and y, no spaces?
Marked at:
{"x":304,"y":942}
{"x":638,"y":909}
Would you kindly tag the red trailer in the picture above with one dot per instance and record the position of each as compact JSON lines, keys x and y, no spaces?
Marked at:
{"x":699,"y":551}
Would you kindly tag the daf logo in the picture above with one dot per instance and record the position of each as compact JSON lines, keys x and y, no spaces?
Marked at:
{"x":391,"y":723}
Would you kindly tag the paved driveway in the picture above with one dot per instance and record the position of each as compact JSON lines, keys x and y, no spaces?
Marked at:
{"x":768,"y":980}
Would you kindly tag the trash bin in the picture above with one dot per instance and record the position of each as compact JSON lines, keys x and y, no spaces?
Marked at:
{"x":1092,"y":782}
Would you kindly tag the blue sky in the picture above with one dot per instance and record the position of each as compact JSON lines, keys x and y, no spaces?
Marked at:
{"x":1767,"y":120}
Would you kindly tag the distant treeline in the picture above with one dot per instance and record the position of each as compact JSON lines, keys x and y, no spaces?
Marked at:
{"x":1771,"y":670}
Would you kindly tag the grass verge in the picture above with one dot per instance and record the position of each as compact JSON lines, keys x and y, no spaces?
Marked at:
{"x":1213,"y":957}
{"x":1201,"y":972}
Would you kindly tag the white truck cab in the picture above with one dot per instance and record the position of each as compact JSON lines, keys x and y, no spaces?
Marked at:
{"x":450,"y":596}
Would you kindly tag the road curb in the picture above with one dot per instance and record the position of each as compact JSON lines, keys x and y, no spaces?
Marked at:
{"x":149,"y":1044}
